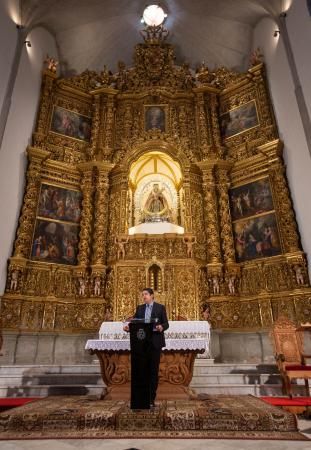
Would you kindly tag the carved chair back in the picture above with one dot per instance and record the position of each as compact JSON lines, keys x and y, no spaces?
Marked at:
{"x":289,"y":356}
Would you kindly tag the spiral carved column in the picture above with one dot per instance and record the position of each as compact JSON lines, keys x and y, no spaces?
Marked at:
{"x":202,"y":125}
{"x":287,"y":220}
{"x":226,"y":236}
{"x":218,"y":150}
{"x":86,"y":216}
{"x":211,"y":216}
{"x":108,"y":132}
{"x":95,"y":126}
{"x":101,"y":214}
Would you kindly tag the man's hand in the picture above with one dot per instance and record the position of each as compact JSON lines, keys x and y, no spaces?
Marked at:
{"x":126,"y":328}
{"x":159,"y":328}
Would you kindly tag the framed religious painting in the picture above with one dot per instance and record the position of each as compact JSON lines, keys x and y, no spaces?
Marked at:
{"x":256,"y":237}
{"x":55,"y":242}
{"x":71,"y":124}
{"x":59,"y":203}
{"x":238,"y":120}
{"x":155,"y":117}
{"x":251,"y":199}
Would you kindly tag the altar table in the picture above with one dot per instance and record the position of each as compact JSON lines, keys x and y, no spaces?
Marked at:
{"x":184,"y":341}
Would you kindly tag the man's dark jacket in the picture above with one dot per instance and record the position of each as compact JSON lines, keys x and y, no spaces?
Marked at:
{"x":158,"y":312}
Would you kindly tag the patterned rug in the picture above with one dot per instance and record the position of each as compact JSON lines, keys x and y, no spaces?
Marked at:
{"x":221,"y":416}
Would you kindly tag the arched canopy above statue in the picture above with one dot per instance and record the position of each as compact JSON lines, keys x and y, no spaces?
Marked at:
{"x":155,"y":180}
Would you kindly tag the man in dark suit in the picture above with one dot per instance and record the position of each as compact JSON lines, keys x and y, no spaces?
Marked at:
{"x":152,"y":310}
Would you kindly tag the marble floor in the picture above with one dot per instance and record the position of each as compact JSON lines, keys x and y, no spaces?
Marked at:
{"x":169,"y":444}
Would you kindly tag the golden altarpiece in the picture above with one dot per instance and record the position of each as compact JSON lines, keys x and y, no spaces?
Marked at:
{"x":154,"y":176}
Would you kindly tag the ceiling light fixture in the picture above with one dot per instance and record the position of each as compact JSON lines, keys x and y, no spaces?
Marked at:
{"x":153,"y":16}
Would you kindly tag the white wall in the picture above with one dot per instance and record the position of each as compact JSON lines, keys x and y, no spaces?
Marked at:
{"x":17,"y":136}
{"x":8,"y":38}
{"x":296,"y":153}
{"x":298,"y":23}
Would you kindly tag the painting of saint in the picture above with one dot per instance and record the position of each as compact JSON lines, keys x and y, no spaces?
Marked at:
{"x":71,"y":124}
{"x":55,"y":242}
{"x":155,"y":118}
{"x":251,"y":199}
{"x":256,"y":238}
{"x":238,"y":120}
{"x":59,"y":203}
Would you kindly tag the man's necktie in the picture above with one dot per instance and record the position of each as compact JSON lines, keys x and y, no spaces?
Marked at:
{"x":148,"y":312}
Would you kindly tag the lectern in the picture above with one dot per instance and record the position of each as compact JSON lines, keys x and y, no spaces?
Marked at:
{"x":141,"y":342}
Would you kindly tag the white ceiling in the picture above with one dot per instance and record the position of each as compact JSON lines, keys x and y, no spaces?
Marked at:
{"x":94,"y":33}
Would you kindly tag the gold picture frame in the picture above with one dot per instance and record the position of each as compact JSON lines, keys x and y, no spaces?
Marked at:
{"x":239,"y":120}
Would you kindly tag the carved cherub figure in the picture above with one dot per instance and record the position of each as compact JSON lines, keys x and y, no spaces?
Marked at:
{"x":51,"y":63}
{"x":256,"y":57}
{"x":189,"y":241}
{"x":299,"y":275}
{"x":120,"y":242}
{"x":97,"y":286}
{"x":82,"y":286}
{"x":14,"y":280}
{"x":231,"y":284}
{"x":215,"y":284}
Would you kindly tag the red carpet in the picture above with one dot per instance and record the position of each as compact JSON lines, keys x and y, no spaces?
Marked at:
{"x":286,"y":401}
{"x":13,"y":402}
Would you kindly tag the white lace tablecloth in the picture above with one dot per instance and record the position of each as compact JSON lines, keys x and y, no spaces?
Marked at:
{"x":181,"y":335}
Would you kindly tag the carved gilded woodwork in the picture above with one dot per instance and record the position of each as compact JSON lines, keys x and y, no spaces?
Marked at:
{"x":86,"y":216}
{"x":285,"y":210}
{"x":211,"y":213}
{"x":193,"y":269}
{"x":27,"y":219}
{"x":224,"y":214}
{"x":101,"y":204}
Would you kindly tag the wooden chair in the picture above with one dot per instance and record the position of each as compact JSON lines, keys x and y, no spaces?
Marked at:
{"x":289,"y":355}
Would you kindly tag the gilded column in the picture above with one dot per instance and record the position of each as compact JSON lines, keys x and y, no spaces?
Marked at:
{"x":107,"y":140}
{"x":86,"y":215}
{"x":183,"y":121}
{"x":101,"y":214}
{"x":44,"y":109}
{"x":267,"y":117}
{"x":211,"y":214}
{"x":187,"y":203}
{"x":95,"y":126}
{"x":226,"y":236}
{"x":202,"y":126}
{"x":127,"y":126}
{"x":218,"y":150}
{"x":123,"y":207}
{"x":28,"y":216}
{"x":286,"y":215}
{"x":103,"y":123}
